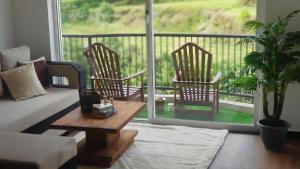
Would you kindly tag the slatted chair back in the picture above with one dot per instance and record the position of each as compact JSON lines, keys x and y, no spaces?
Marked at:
{"x":105,"y":66}
{"x":193,"y":67}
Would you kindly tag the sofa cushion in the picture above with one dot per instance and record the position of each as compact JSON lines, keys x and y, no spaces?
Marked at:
{"x":35,"y":151}
{"x":23,"y":82}
{"x":10,"y":57}
{"x":18,"y":116}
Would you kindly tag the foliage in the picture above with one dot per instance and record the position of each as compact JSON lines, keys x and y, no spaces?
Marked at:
{"x":82,"y":15}
{"x":245,"y":15}
{"x":80,"y":10}
{"x":87,"y":3}
{"x":246,"y":2}
{"x":189,"y":16}
{"x":75,"y":13}
{"x":278,"y":62}
{"x":106,"y":12}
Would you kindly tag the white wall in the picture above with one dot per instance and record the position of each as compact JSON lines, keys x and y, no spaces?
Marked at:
{"x":277,"y":8}
{"x":6,"y":25}
{"x":32,"y":28}
{"x":273,"y":9}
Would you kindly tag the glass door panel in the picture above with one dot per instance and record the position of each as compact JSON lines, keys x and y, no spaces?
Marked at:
{"x":216,"y":27}
{"x":117,"y":24}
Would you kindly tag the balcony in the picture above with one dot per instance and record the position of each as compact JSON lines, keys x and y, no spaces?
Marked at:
{"x":236,"y":105}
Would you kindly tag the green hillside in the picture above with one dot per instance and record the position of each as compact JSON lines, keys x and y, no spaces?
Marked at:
{"x":128,"y":16}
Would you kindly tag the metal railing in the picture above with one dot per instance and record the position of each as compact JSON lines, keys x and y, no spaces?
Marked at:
{"x":227,"y":53}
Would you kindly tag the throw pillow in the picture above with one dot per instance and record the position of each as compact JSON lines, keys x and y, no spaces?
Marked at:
{"x":10,"y":57}
{"x":23,"y":82}
{"x":41,"y":68}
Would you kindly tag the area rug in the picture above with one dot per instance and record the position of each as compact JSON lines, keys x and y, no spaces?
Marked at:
{"x":170,"y":147}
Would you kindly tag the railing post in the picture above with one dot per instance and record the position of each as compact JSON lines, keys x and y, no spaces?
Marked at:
{"x":90,"y":43}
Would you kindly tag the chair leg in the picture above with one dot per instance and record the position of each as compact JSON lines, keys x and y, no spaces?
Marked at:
{"x":142,"y":95}
{"x":174,"y":90}
{"x":214,"y":108}
{"x":218,"y":102}
{"x":142,"y":88}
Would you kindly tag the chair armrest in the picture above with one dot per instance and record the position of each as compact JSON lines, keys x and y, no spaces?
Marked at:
{"x":217,"y":78}
{"x":107,"y":79}
{"x":134,"y":75}
{"x":174,"y":79}
{"x":75,"y":73}
{"x":192,"y":82}
{"x":123,"y":79}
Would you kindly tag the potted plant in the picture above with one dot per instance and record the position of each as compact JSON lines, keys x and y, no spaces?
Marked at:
{"x":278,"y":61}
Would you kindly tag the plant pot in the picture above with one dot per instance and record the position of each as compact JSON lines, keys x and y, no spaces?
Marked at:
{"x":273,"y":137}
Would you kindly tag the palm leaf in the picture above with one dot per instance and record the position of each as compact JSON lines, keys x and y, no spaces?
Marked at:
{"x":246,"y":41}
{"x":291,"y":15}
{"x":295,"y":54}
{"x":291,"y":73}
{"x":253,"y":26}
{"x":293,"y":37}
{"x":248,"y":82}
{"x":255,"y":61}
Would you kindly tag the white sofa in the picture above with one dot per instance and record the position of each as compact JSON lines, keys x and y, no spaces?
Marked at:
{"x":21,"y":115}
{"x":22,"y":122}
{"x":30,"y":151}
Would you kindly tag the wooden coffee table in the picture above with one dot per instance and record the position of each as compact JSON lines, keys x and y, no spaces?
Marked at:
{"x":105,"y":139}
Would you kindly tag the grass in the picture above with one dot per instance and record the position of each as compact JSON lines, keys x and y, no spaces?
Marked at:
{"x":190,"y":16}
{"x":224,"y":115}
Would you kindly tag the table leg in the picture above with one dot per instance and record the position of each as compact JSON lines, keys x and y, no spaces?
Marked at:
{"x":96,"y":139}
{"x":103,"y":153}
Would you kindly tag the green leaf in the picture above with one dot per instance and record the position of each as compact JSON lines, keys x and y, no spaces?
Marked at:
{"x":253,"y":26}
{"x":255,"y":61}
{"x":246,"y":41}
{"x":295,"y":54}
{"x":291,"y":15}
{"x":291,"y":73}
{"x":293,"y":37}
{"x":248,"y":82}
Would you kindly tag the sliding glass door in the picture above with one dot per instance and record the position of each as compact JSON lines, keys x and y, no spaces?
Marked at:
{"x":194,"y":43}
{"x":120,"y":26}
{"x":146,"y":33}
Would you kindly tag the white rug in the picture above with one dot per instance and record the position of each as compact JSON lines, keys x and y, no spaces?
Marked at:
{"x":170,"y":147}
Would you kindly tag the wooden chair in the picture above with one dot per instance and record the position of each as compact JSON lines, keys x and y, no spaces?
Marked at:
{"x":107,"y":74}
{"x":193,"y":78}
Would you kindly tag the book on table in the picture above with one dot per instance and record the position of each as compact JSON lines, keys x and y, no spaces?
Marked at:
{"x":104,"y":110}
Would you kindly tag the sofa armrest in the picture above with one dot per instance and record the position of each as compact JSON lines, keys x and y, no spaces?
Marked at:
{"x":75,"y":73}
